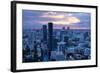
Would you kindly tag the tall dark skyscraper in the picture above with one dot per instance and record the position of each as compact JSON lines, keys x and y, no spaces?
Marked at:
{"x":50,"y":37}
{"x":45,"y":33}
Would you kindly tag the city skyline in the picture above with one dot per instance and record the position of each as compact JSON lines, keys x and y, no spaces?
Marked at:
{"x":34,"y":19}
{"x":49,"y":44}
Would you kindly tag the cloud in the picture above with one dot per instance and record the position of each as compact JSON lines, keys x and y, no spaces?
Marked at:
{"x":66,"y":21}
{"x":51,"y":12}
{"x":72,"y":20}
{"x":53,"y":16}
{"x":59,"y":18}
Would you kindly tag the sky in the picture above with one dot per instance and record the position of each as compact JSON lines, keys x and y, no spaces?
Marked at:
{"x":34,"y":19}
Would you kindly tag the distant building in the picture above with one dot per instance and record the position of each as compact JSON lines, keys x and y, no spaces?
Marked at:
{"x":68,"y":28}
{"x":63,"y":28}
{"x":63,"y":33}
{"x":61,"y":46}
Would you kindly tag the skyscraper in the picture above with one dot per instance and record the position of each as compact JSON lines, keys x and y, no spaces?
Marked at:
{"x":44,"y":33}
{"x":50,"y":37}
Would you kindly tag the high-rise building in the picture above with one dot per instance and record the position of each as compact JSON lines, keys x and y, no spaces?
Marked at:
{"x":68,"y":28}
{"x":63,"y":33}
{"x":54,"y":43}
{"x":44,"y":33}
{"x":50,"y":37}
{"x":63,"y":28}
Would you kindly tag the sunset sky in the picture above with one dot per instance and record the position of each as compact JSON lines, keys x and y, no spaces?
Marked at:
{"x":33,"y":19}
